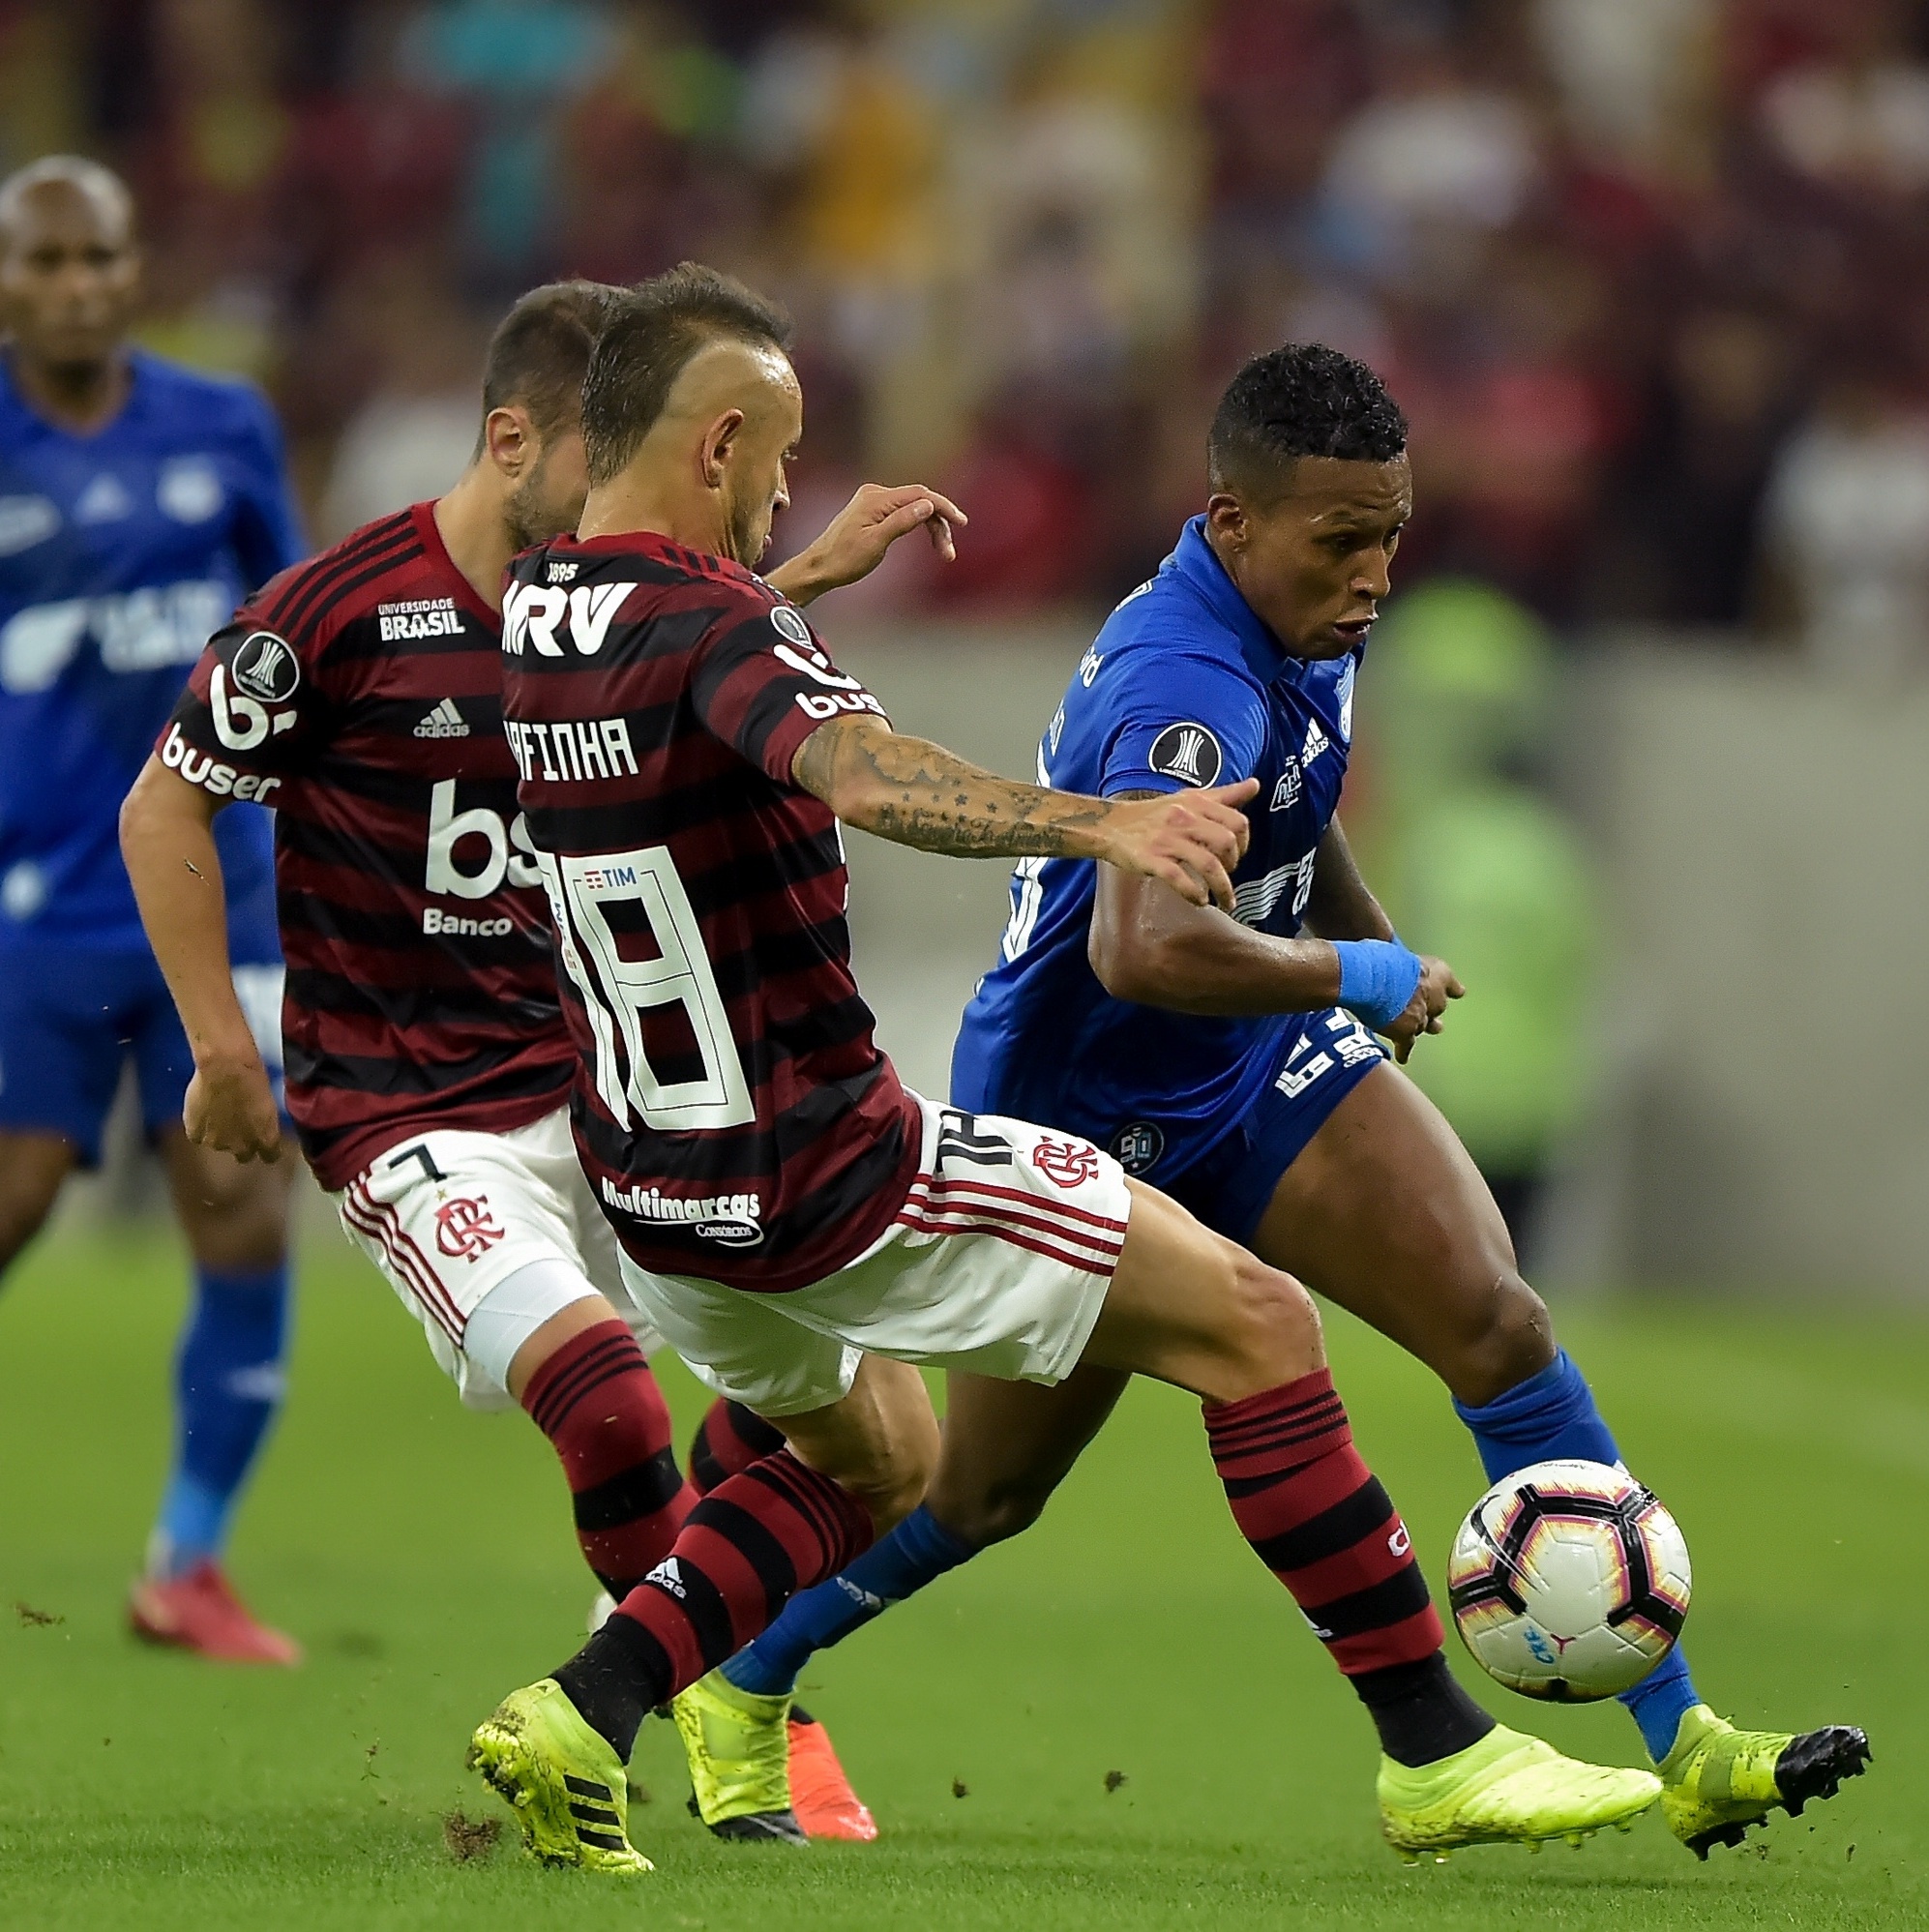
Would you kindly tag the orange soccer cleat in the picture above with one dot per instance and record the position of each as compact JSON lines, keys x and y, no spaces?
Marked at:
{"x":198,"y":1611}
{"x":820,"y":1794}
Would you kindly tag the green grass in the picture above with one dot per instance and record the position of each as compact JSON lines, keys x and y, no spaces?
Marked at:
{"x":422,"y":1555}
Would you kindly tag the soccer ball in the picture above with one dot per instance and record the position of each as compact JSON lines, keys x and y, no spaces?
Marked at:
{"x":1570,"y":1581}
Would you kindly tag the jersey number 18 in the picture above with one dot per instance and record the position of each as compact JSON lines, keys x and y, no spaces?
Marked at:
{"x":617,"y":991}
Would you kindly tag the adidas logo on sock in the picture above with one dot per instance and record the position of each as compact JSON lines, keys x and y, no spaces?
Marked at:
{"x":444,"y":722}
{"x":667,"y":1575}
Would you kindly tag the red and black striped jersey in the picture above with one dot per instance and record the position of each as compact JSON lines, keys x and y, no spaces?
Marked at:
{"x":735,"y":1117}
{"x":358,"y":694}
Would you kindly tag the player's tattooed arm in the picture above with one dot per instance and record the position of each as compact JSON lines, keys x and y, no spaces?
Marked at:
{"x":854,"y":542}
{"x":168,"y":845}
{"x":917,"y":794}
{"x":1343,"y":905}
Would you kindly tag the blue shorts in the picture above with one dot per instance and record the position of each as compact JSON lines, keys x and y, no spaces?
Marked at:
{"x":70,"y":1017}
{"x":1321,"y":1060}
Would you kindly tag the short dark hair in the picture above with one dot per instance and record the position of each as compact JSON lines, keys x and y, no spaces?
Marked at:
{"x":1304,"y":400}
{"x":655,"y":330}
{"x":541,"y":349}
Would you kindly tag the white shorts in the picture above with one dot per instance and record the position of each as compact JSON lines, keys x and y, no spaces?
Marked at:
{"x":999,"y":1262}
{"x":451,"y":1214}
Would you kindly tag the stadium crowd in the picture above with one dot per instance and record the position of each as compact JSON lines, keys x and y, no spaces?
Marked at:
{"x":1650,"y":276}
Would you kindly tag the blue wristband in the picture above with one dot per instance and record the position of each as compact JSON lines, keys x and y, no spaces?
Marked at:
{"x":1376,"y":978}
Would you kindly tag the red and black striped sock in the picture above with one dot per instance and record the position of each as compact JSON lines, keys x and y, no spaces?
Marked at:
{"x":1319,"y":1519}
{"x":759,"y":1537}
{"x":728,"y":1440}
{"x":599,"y":1404}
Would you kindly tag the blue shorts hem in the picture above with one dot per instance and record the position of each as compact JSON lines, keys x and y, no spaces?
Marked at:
{"x":1321,"y":1063}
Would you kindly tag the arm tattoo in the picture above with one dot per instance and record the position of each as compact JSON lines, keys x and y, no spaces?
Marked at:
{"x":917,"y":794}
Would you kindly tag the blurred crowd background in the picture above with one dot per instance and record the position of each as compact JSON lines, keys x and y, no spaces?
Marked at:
{"x":1650,"y":277}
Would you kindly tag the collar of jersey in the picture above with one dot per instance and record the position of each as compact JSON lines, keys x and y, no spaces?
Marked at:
{"x":133,"y":403}
{"x":653,"y":543}
{"x":1196,"y":560}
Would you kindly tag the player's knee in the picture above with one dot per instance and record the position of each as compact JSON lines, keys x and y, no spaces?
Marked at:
{"x":985,"y":1513}
{"x":28,"y":1190}
{"x":892,"y":1484}
{"x":1506,"y":1339}
{"x":1272,"y":1332}
{"x":235,"y":1215}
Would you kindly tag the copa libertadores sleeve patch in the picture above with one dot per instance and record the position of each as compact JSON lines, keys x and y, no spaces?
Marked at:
{"x":1188,"y":752}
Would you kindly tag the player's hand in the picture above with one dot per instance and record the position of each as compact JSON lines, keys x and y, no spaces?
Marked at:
{"x":1438,"y":984}
{"x":853,"y":542}
{"x":1192,"y":840}
{"x":230,"y":1106}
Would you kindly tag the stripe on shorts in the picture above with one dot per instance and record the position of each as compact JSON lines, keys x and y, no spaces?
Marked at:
{"x":1062,"y":1233}
{"x":379,"y":1221}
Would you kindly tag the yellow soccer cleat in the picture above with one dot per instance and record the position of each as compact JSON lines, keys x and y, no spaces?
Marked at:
{"x":738,"y":1744}
{"x":567,"y":1788}
{"x":1717,"y":1782}
{"x":1507,"y":1789}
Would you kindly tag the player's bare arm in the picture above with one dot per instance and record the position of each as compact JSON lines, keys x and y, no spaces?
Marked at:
{"x":1150,"y":947}
{"x":1343,"y":907}
{"x":168,"y":841}
{"x":917,"y":794}
{"x":854,"y":542}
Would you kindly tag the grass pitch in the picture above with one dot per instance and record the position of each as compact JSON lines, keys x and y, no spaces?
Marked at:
{"x":1118,"y":1721}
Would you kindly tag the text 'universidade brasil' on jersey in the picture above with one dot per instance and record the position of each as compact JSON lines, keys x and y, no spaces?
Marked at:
{"x":360,"y":695}
{"x":733,"y":1111}
{"x":1183,"y":686}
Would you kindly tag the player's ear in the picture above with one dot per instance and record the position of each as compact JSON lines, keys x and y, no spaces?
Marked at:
{"x":1225,"y":517}
{"x":720,"y":443}
{"x":510,"y":438}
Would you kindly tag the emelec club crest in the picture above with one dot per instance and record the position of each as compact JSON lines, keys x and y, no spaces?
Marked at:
{"x":1066,"y":1163}
{"x":465,"y":1229}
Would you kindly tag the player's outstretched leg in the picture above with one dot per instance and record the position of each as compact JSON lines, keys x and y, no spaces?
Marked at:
{"x":760,"y":1764}
{"x":1385,"y":1212}
{"x":1194,"y":1310}
{"x":590,"y":1391}
{"x":228,"y":1381}
{"x":780,"y":1525}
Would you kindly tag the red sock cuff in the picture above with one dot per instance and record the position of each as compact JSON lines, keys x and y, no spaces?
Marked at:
{"x":584,"y":1363}
{"x":1277,"y":1429}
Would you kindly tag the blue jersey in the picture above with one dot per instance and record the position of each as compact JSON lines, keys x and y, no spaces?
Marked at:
{"x":1184,"y":686}
{"x":120,"y":553}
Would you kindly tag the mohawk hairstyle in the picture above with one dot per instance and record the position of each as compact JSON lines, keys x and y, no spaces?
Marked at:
{"x":541,"y":349}
{"x":1304,"y":400}
{"x":656,"y":329}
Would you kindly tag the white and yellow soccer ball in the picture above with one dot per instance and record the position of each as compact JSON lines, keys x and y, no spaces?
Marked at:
{"x":1569,"y":1580}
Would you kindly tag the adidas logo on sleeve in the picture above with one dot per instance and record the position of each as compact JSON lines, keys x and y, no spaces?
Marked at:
{"x":444,"y":722}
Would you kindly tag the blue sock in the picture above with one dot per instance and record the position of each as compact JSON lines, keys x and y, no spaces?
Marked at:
{"x":227,"y":1387}
{"x":917,"y":1552}
{"x":1552,"y":1415}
